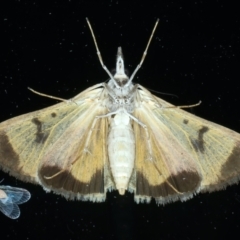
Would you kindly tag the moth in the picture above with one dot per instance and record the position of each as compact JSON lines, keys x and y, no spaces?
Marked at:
{"x":10,"y":198}
{"x":117,"y":135}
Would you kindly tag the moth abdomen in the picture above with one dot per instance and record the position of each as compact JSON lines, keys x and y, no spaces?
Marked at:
{"x":121,"y":150}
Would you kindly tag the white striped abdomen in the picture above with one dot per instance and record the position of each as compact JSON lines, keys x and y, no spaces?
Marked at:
{"x":121,"y":150}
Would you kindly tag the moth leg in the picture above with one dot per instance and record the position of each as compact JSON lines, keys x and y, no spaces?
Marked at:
{"x":89,"y":135}
{"x":92,"y":128}
{"x":69,"y":167}
{"x":186,"y":106}
{"x":49,"y":96}
{"x":147,"y":134}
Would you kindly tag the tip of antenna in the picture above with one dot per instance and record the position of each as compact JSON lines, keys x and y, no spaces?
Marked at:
{"x":86,"y":19}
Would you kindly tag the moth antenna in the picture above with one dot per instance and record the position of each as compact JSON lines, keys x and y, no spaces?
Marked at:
{"x":99,"y":54}
{"x":144,"y":54}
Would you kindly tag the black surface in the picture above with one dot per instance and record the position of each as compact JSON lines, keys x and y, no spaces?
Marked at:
{"x":194,"y":54}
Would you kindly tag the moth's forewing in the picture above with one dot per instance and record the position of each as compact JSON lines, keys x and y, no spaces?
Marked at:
{"x":190,"y":153}
{"x":43,"y":143}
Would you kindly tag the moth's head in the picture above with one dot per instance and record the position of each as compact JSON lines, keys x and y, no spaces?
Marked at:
{"x":120,"y":76}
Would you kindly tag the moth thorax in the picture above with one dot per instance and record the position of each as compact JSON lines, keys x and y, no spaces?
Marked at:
{"x":121,"y":150}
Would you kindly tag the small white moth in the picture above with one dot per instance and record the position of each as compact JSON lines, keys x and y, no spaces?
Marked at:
{"x":117,"y":135}
{"x":10,"y":198}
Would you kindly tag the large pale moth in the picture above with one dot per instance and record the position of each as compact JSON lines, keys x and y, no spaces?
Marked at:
{"x":117,"y":135}
{"x":10,"y":198}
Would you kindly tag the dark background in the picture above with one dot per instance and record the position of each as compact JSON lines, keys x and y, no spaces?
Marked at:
{"x":194,"y":54}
